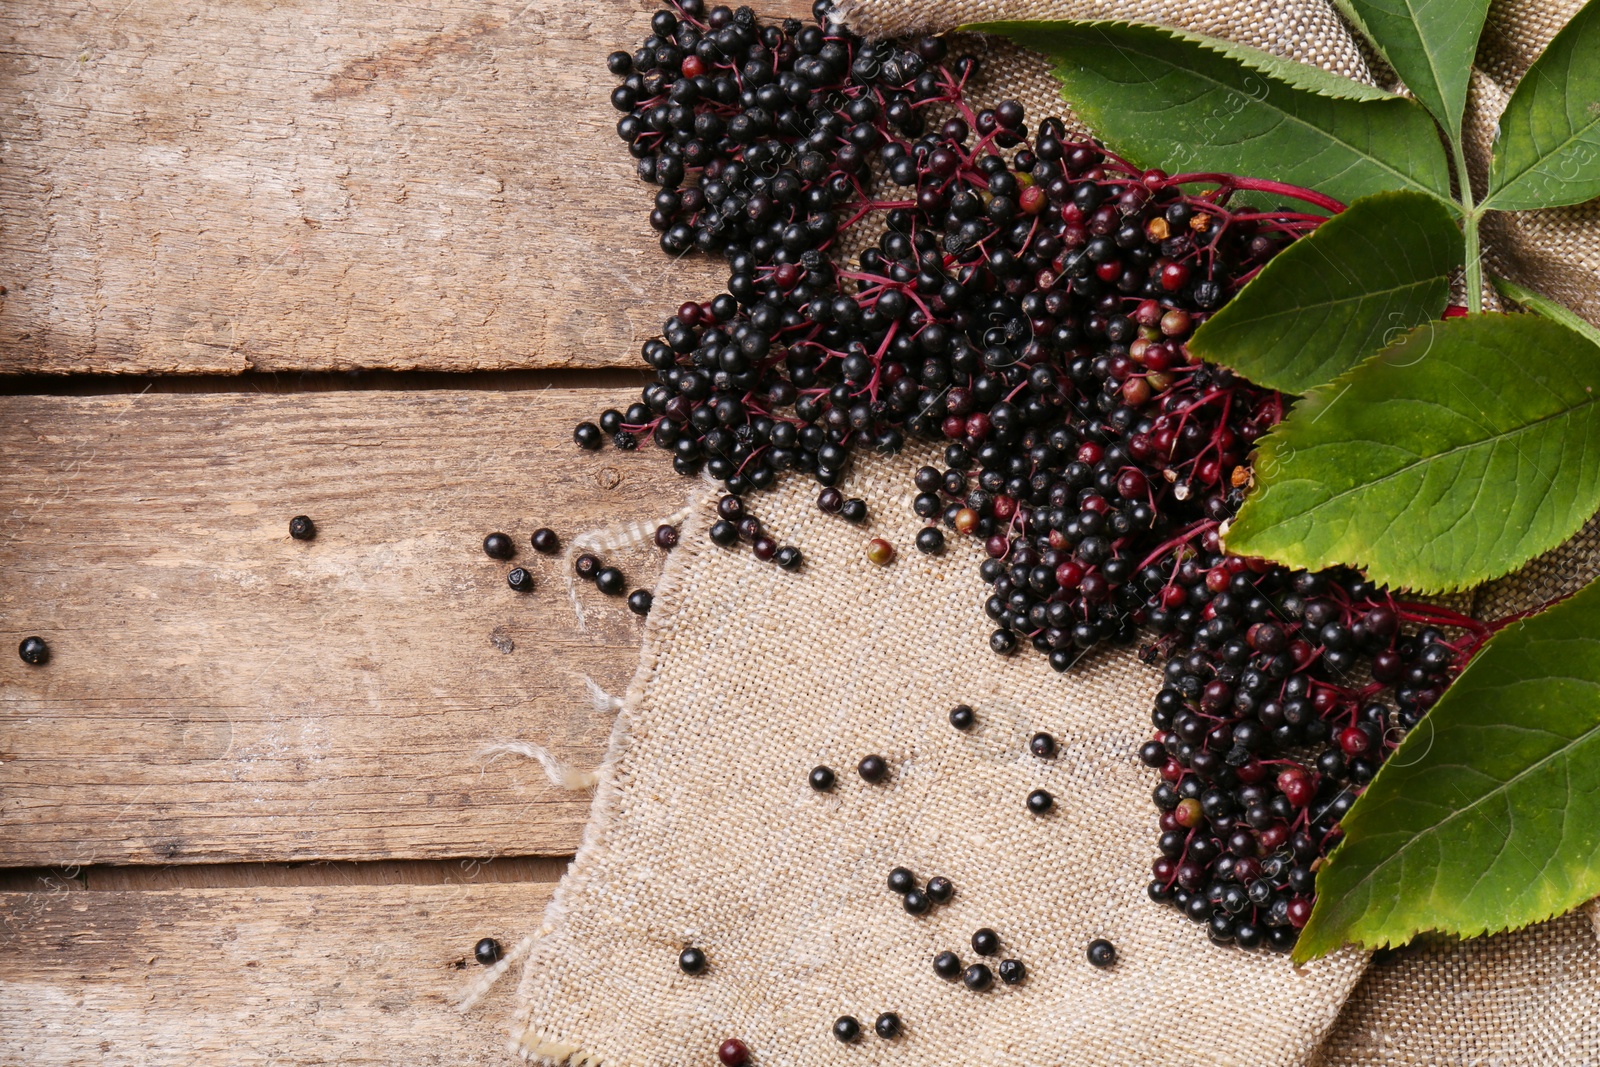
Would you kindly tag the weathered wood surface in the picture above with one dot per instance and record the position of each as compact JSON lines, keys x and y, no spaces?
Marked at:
{"x":233,"y":184}
{"x":218,"y":691}
{"x":256,"y":977}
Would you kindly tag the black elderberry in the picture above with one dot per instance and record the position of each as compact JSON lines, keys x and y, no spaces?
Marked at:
{"x":691,"y":960}
{"x":830,"y":500}
{"x":33,"y":650}
{"x":902,"y":881}
{"x":487,"y":951}
{"x":887,"y":1026}
{"x":961,"y":717}
{"x":985,"y":942}
{"x":947,"y":965}
{"x":940,"y":889}
{"x":873,"y":769}
{"x":724,"y":533}
{"x":666,"y":537}
{"x":788,"y":557}
{"x":587,"y":566}
{"x":519,"y":579}
{"x":1011,"y":972}
{"x":587,"y":435}
{"x":545,"y":541}
{"x":916,"y":902}
{"x":639,"y":601}
{"x":821,"y":779}
{"x":1043,"y":746}
{"x":498,"y":546}
{"x":977,"y":978}
{"x":930,"y":539}
{"x":301,"y":528}
{"x":846,"y":1028}
{"x":1040,"y":801}
{"x":853,"y":510}
{"x":1103,"y":953}
{"x":610,"y":581}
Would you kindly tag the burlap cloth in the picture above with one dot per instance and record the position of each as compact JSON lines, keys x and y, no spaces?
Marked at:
{"x":705,"y":832}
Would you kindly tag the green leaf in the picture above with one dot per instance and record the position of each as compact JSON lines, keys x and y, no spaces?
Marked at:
{"x":1547,"y":153}
{"x":1333,"y":298}
{"x":1543,"y":305}
{"x":1454,"y":456}
{"x":1487,"y":817}
{"x":1429,"y":43}
{"x":1187,"y":103}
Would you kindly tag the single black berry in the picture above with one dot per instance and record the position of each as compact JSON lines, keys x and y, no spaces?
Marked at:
{"x":947,"y":965}
{"x":1011,"y":972}
{"x":930,"y":540}
{"x":731,"y":508}
{"x":873,"y":769}
{"x":586,"y":566}
{"x":487,"y":951}
{"x":724,"y":533}
{"x":853,"y":510}
{"x":639,"y":601}
{"x":846,"y":1029}
{"x":902,"y":880}
{"x":499,"y":546}
{"x":830,"y":500}
{"x":887,"y":1025}
{"x":821,"y":779}
{"x":916,"y":902}
{"x":977,"y":977}
{"x":939,"y":889}
{"x":610,"y":581}
{"x":33,"y":650}
{"x":691,"y":960}
{"x":519,"y":579}
{"x":1040,"y":801}
{"x":1102,"y":953}
{"x":666,"y":536}
{"x":788,"y":557}
{"x":546,"y":541}
{"x":587,"y":435}
{"x":301,"y":528}
{"x":961,"y":717}
{"x":985,"y":942}
{"x":1043,"y":746}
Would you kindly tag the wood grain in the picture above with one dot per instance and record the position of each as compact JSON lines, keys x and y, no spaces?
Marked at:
{"x":324,"y":184}
{"x":220,"y":692}
{"x":256,"y":977}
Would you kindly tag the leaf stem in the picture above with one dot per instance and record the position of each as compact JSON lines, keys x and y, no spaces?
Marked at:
{"x":1469,"y":229}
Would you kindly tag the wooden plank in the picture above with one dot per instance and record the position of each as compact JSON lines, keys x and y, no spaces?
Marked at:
{"x":218,"y":691}
{"x":256,"y":977}
{"x":327,"y":184}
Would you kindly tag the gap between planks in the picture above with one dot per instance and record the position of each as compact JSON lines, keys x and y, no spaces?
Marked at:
{"x":116,"y":878}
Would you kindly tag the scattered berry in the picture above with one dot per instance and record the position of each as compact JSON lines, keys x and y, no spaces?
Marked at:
{"x":586,"y":566}
{"x":498,"y":546}
{"x":587,"y":435}
{"x":724,"y":533}
{"x":639,"y":601}
{"x":853,"y":510}
{"x":822,"y":779}
{"x":947,"y":965}
{"x":1043,"y":746}
{"x":1102,"y":953}
{"x":610,"y":581}
{"x":846,"y":1029}
{"x":940,"y":889}
{"x":930,"y":540}
{"x":1040,"y":801}
{"x":977,"y":977}
{"x":916,"y":902}
{"x":545,"y":541}
{"x":666,"y":537}
{"x":873,"y":769}
{"x":301,"y":528}
{"x":1011,"y":972}
{"x":519,"y":579}
{"x":880,"y":552}
{"x":961,"y":717}
{"x":33,"y":650}
{"x":788,"y":557}
{"x":902,"y":881}
{"x":691,"y":961}
{"x":985,"y":942}
{"x":733,"y":1053}
{"x":887,"y":1026}
{"x":487,"y":952}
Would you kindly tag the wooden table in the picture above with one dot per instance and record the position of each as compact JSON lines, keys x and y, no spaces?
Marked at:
{"x":367,"y":262}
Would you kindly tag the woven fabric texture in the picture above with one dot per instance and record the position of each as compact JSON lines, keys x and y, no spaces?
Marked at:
{"x":704,"y":831}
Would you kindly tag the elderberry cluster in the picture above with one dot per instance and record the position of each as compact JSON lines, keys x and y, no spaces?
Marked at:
{"x":1027,"y":304}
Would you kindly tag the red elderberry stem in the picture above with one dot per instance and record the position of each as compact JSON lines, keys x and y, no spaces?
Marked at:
{"x":1260,"y":185}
